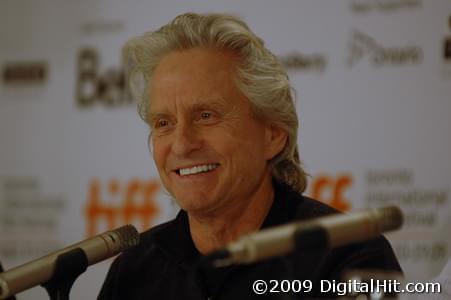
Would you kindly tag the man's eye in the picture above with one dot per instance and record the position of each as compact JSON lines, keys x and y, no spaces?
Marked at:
{"x":205,"y":115}
{"x":161,"y":123}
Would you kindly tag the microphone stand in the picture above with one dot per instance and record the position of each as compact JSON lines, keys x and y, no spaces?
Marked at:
{"x":68,"y":267}
{"x":311,"y":247}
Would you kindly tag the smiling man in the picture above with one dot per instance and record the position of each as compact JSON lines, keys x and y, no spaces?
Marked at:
{"x":211,"y":151}
{"x":223,"y":136}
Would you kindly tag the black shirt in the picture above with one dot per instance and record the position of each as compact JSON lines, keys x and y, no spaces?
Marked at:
{"x":166,"y":263}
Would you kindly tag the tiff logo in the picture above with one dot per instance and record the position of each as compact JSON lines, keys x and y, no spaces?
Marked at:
{"x":331,"y":190}
{"x":363,"y":45}
{"x":137,"y":201}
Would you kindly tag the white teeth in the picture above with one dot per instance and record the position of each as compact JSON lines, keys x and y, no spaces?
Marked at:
{"x":198,"y":169}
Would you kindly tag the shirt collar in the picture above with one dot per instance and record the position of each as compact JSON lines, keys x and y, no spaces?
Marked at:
{"x":176,"y":240}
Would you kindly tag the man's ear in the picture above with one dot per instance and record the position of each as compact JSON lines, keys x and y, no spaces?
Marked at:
{"x":276,"y":139}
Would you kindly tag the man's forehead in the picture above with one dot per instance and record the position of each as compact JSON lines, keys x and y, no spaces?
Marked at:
{"x":212,"y":102}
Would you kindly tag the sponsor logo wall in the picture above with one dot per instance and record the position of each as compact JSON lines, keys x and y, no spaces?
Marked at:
{"x":372,"y":81}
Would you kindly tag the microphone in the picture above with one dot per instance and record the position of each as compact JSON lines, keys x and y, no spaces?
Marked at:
{"x":1,"y":270}
{"x":340,"y":229}
{"x":39,"y":271}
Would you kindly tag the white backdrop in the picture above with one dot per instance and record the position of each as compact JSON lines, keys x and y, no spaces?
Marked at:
{"x":373,"y":84}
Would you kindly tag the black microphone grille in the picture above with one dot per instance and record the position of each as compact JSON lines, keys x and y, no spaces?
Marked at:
{"x":128,"y":236}
{"x":391,"y":218}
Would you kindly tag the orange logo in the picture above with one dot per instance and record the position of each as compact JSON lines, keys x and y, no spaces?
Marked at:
{"x":331,"y":190}
{"x":97,"y":208}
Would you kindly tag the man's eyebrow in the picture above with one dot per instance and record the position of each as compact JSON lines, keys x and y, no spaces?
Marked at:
{"x":152,"y":116}
{"x":200,"y":104}
{"x":206,"y":103}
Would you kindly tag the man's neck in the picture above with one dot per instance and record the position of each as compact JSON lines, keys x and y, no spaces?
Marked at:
{"x":210,"y":233}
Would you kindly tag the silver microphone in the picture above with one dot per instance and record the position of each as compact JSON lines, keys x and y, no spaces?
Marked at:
{"x":341,"y":229}
{"x":39,"y":271}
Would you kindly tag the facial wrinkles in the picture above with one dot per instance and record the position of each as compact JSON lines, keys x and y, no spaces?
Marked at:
{"x":231,"y":121}
{"x":234,"y":120}
{"x":181,"y":82}
{"x":185,"y":131}
{"x":182,"y":89}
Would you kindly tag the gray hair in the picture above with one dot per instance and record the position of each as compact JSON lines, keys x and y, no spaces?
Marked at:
{"x":261,"y":77}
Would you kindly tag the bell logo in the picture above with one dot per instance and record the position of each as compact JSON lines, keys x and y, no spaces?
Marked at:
{"x":137,"y":201}
{"x":331,"y":190}
{"x":93,"y":86}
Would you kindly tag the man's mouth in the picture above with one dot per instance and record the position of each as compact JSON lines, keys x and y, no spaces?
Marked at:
{"x":197,"y":169}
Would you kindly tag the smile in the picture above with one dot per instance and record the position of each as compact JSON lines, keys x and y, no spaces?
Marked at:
{"x":197,"y":169}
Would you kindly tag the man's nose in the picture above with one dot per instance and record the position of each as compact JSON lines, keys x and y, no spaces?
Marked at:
{"x":186,"y":139}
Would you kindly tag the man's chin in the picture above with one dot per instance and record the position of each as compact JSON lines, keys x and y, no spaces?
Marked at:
{"x":194,"y":207}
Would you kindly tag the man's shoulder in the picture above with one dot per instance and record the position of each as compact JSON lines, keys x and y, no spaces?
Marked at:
{"x":309,"y":208}
{"x":149,"y":236}
{"x":303,"y":206}
{"x":147,"y":246}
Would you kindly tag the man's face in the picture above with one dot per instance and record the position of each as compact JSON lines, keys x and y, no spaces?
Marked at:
{"x":209,"y":149}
